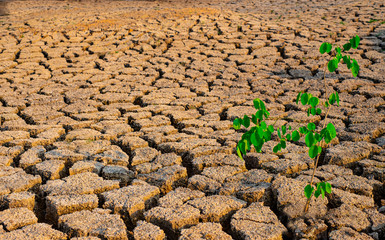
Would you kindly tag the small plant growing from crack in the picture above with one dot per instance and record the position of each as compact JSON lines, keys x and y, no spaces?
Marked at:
{"x":261,"y":132}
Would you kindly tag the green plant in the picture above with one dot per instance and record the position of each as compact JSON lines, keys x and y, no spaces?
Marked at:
{"x":261,"y":132}
{"x":373,"y":20}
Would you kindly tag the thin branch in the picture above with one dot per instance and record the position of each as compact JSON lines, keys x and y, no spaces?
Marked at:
{"x":318,"y":156}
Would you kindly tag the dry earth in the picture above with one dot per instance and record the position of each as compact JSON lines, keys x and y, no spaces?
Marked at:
{"x":116,"y":119}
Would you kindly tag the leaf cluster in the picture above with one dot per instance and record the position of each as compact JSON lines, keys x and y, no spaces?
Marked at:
{"x":350,"y":63}
{"x":322,"y":188}
{"x":262,"y":133}
{"x":257,"y":135}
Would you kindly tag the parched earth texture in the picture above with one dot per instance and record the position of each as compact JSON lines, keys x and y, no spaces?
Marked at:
{"x":116,"y":119}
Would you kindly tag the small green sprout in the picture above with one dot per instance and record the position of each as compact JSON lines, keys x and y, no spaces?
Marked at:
{"x":373,"y":20}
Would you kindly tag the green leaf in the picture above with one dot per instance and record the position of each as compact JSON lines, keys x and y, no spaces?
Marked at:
{"x":311,"y":126}
{"x":308,"y":112}
{"x":309,"y":139}
{"x":347,"y":61}
{"x":328,"y":187}
{"x":319,"y":150}
{"x":254,"y":119}
{"x":279,"y":133}
{"x":267,"y":136}
{"x":289,"y":127}
{"x":288,"y":137}
{"x":298,"y":97}
{"x":318,"y":111}
{"x":323,"y":131}
{"x":355,"y":41}
{"x":247,"y":143}
{"x":262,"y":104}
{"x":321,"y":188}
{"x":266,"y":113}
{"x":242,"y":147}
{"x":260,"y":132}
{"x":283,"y":143}
{"x":256,"y":103}
{"x":295,"y":135}
{"x":327,"y":137}
{"x":332,"y":98}
{"x":263,"y":125}
{"x":304,"y":98}
{"x":270,"y":128}
{"x":237,"y":123}
{"x":312,"y":111}
{"x":259,"y":115}
{"x":253,"y":139}
{"x":313,"y":151}
{"x":325,"y":47}
{"x":332,"y":130}
{"x":308,"y":191}
{"x":326,"y":104}
{"x":239,"y":153}
{"x":338,"y":57}
{"x":246,"y":135}
{"x":283,"y":129}
{"x":303,"y":130}
{"x":338,"y":50}
{"x":246,"y":121}
{"x":317,"y":137}
{"x":347,"y":46}
{"x":317,"y":193}
{"x":355,"y":68}
{"x":329,"y":48}
{"x":277,"y":148}
{"x":259,"y":142}
{"x":333,"y":65}
{"x":258,"y":148}
{"x":314,"y":101}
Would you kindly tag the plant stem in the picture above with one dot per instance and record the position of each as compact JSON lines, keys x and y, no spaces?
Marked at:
{"x":311,"y":183}
{"x":316,"y":162}
{"x":326,"y":89}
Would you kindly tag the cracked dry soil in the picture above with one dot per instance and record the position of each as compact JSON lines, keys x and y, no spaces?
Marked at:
{"x":116,"y":119}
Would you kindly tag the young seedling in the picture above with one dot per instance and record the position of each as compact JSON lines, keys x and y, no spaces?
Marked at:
{"x":262,"y":133}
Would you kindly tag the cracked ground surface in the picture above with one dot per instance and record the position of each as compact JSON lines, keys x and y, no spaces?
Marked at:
{"x":116,"y":119}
